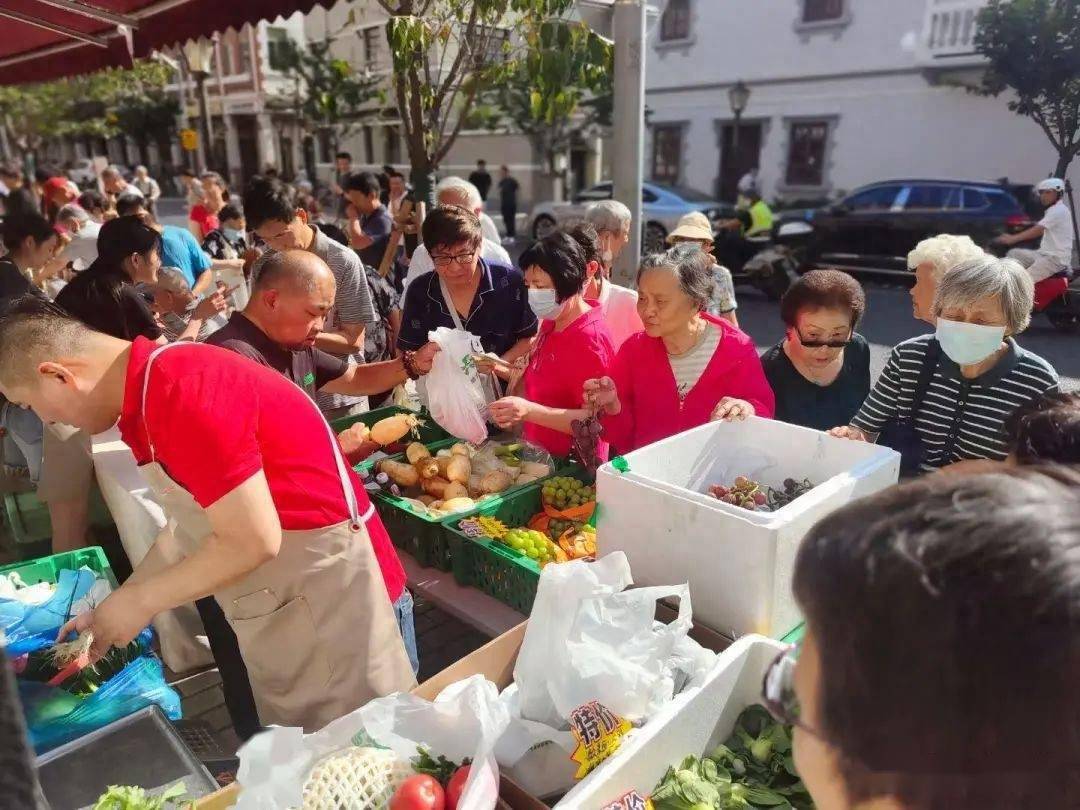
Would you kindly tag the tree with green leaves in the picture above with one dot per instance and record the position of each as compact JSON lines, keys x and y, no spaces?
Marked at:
{"x":560,"y":88}
{"x":328,"y":94}
{"x":1033,"y":49}
{"x":445,"y":52}
{"x":105,"y":104}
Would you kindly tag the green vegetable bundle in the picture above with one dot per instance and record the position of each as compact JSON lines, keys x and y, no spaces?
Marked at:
{"x":124,"y":797}
{"x":753,"y":769}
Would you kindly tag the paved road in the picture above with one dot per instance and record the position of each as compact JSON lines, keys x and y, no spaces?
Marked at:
{"x":888,"y":319}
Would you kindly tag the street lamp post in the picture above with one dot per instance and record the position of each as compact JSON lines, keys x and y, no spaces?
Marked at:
{"x":199,"y":53}
{"x":628,"y":150}
{"x":738,"y":98}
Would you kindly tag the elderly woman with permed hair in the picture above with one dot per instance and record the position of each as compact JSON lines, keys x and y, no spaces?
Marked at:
{"x":975,"y":375}
{"x":686,"y":367}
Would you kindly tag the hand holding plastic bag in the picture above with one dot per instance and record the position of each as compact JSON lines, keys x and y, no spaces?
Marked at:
{"x":464,"y":721}
{"x":455,"y":393}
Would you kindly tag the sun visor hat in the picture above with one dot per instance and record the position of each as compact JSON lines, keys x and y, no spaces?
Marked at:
{"x":123,"y":236}
{"x":1052,"y":184}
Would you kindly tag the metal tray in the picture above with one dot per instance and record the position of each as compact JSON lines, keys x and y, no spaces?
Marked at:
{"x":141,"y":749}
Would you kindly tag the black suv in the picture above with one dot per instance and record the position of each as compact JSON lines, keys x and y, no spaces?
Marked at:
{"x":875,"y":226}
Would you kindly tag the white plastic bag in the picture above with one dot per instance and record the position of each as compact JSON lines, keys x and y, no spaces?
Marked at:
{"x":590,"y":639}
{"x":455,"y":394}
{"x":464,"y":721}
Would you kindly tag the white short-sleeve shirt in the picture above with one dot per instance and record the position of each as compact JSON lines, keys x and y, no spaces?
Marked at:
{"x":1057,"y":240}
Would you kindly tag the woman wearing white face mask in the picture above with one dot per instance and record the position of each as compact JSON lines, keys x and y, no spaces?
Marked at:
{"x":574,"y":344}
{"x":957,"y":388}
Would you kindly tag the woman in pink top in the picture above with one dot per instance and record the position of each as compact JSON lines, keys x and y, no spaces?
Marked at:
{"x":686,"y":367}
{"x":203,"y":217}
{"x":574,"y":345}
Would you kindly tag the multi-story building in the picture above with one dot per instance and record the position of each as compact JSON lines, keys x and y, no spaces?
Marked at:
{"x":841,"y":93}
{"x":358,"y":31}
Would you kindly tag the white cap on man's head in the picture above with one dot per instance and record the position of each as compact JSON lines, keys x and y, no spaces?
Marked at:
{"x":1052,"y":184}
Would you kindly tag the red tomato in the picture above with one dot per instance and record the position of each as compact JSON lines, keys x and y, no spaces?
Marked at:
{"x":420,"y":792}
{"x":456,"y":786}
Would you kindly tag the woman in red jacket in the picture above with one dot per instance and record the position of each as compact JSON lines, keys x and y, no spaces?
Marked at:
{"x":686,"y":368}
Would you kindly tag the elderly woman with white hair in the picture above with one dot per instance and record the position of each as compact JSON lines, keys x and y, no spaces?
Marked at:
{"x":929,"y":260}
{"x":603,"y":235}
{"x":944,"y":399}
{"x":182,"y":314}
{"x":462,"y":193}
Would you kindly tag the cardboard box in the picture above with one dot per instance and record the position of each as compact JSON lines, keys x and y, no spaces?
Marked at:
{"x":496,"y":660}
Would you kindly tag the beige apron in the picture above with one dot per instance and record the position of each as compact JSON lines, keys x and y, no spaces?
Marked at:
{"x":315,"y":626}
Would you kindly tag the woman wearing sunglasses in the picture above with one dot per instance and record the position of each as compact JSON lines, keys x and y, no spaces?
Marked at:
{"x":939,"y":666}
{"x":820,"y":371}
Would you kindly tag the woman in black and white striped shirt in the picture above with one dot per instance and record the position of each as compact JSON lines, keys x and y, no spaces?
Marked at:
{"x":981,"y":374}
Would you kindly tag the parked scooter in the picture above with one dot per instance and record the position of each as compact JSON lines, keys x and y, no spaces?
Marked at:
{"x":769,"y":263}
{"x":1056,"y":297}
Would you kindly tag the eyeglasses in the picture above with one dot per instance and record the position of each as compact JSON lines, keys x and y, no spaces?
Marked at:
{"x":778,"y":691}
{"x":820,"y":344}
{"x":461,"y":258}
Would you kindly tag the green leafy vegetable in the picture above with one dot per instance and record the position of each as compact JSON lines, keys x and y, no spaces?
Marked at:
{"x":752,"y":769}
{"x":441,"y":769}
{"x":125,"y":797}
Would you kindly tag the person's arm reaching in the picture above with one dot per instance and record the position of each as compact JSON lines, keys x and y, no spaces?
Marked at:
{"x":880,"y":407}
{"x":207,"y":308}
{"x":353,"y":309}
{"x":374,"y":378}
{"x":519,"y":349}
{"x":1034,"y":232}
{"x":246,"y":533}
{"x":347,"y":339}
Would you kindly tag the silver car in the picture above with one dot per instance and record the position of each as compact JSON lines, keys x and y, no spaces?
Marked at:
{"x":662,"y":208}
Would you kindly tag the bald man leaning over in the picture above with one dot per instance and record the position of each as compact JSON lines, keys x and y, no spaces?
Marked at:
{"x":289,"y":301}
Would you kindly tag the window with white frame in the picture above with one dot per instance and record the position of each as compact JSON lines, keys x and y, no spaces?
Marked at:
{"x":820,"y":11}
{"x":667,"y":153}
{"x":806,"y":153}
{"x":277,"y":47}
{"x":373,"y":40}
{"x":489,"y":44}
{"x":675,"y":21}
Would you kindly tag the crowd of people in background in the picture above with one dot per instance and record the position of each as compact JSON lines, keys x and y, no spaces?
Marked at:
{"x":339,"y":299}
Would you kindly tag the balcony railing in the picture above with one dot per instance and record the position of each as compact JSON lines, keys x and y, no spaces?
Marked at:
{"x":949,"y":32}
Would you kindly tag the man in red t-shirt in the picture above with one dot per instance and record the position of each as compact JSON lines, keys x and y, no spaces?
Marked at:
{"x":274,"y":523}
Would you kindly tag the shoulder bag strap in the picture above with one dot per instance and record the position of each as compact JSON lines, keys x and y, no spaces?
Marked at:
{"x":926,"y":374}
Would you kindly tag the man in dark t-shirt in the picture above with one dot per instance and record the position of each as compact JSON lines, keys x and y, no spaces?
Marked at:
{"x":290,"y":298}
{"x":481,"y":179}
{"x":369,"y":220}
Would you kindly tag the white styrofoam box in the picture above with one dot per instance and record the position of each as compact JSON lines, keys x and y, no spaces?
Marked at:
{"x":700,"y":723}
{"x":738,"y":563}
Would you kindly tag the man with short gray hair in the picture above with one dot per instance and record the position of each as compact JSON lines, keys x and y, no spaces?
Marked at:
{"x":81,"y":251}
{"x":114,"y":184}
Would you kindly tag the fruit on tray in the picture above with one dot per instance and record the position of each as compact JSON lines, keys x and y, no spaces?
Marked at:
{"x":533,"y":544}
{"x":492,"y":527}
{"x":580,"y":543}
{"x":564,"y":492}
{"x":743,"y":492}
{"x":557,"y":527}
{"x":752,"y":495}
{"x":355,"y":777}
{"x":394,"y":428}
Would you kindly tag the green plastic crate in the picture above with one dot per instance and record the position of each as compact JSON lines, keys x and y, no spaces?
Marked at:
{"x":493,"y":567}
{"x":47,"y":569}
{"x":427,"y":433}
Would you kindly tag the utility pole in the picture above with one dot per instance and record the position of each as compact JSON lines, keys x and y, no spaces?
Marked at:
{"x":628,"y":143}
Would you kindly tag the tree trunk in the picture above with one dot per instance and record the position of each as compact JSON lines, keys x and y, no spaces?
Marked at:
{"x":422,"y":179}
{"x":143,"y":145}
{"x":1064,"y":159}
